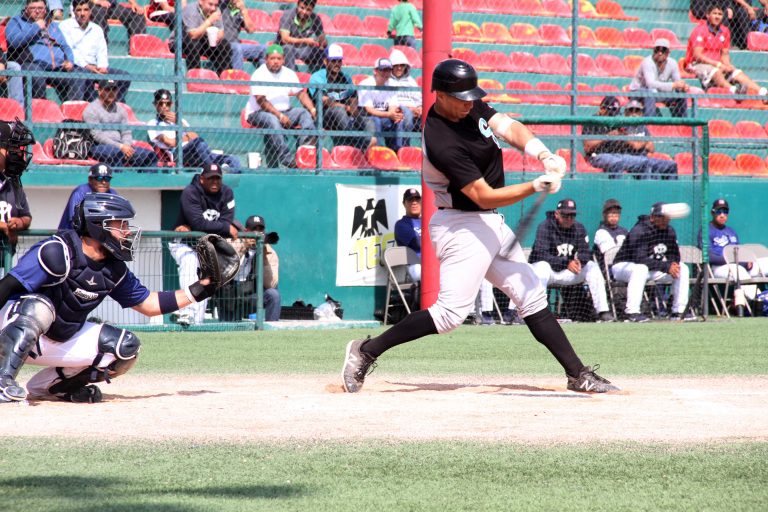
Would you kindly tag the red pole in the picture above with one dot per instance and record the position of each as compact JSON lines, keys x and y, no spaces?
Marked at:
{"x":436,"y":47}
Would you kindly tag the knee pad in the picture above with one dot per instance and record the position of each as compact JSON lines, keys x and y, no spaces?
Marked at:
{"x":123,"y":344}
{"x":31,"y":316}
{"x":35,"y":310}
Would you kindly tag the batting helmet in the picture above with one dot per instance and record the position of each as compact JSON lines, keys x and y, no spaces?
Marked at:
{"x":91,"y":217}
{"x":457,"y":78}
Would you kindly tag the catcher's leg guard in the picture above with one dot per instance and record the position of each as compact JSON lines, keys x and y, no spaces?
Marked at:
{"x":124,"y":345}
{"x":31,"y":316}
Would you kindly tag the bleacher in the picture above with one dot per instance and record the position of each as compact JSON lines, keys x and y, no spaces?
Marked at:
{"x":522,"y":47}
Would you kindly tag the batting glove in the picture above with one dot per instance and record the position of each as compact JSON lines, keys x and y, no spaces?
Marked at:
{"x":553,"y":164}
{"x":549,"y":182}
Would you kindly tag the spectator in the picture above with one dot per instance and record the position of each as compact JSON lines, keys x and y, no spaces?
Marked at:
{"x":203,"y":36}
{"x":270,"y":107}
{"x":235,"y":18}
{"x":196,"y":151}
{"x":383,"y":108}
{"x":15,"y":215}
{"x":708,"y":57}
{"x":114,"y":147}
{"x":401,"y":77}
{"x":163,"y":11}
{"x":240,"y":292}
{"x":721,"y":236}
{"x":609,"y":234}
{"x":650,"y":251}
{"x":38,"y":45}
{"x":13,"y":85}
{"x":99,"y":180}
{"x":617,"y":156}
{"x":660,"y":73}
{"x":408,"y":229}
{"x":89,"y":48}
{"x":739,"y":15}
{"x":340,"y":106}
{"x":132,"y":17}
{"x":561,"y":255}
{"x":207,"y":205}
{"x":403,"y":19}
{"x":301,"y":35}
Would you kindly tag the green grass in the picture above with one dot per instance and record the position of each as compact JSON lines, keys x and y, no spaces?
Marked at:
{"x":73,"y":477}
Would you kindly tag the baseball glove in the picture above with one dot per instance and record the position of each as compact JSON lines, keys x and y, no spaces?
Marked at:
{"x":217,"y":260}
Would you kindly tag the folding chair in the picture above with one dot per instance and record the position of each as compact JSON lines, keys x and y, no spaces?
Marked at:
{"x":692,"y":255}
{"x":738,"y":254}
{"x":608,"y":258}
{"x":396,"y":260}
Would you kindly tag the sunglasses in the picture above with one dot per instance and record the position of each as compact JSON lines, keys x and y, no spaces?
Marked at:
{"x":661,"y":49}
{"x":721,"y":211}
{"x":568,"y":215}
{"x":102,"y":178}
{"x":164,"y":103}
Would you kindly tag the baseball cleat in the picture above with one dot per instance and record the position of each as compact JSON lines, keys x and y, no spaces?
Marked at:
{"x":357,"y":364}
{"x":10,"y":389}
{"x":637,"y":318}
{"x":605,"y":317}
{"x":89,"y":394}
{"x":590,"y":382}
{"x":680,"y":317}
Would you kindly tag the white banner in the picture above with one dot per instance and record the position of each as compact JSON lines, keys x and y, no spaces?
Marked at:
{"x":366,"y":219}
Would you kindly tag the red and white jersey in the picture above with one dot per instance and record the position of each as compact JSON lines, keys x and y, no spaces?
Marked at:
{"x":712,"y":42}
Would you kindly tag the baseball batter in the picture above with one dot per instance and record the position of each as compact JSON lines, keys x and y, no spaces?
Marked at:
{"x":463,"y":166}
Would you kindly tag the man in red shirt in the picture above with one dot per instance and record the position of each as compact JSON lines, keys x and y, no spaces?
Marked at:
{"x":708,"y":57}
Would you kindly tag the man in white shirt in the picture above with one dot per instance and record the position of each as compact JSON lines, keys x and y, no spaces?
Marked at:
{"x":401,"y":77}
{"x":195,"y":149}
{"x":89,"y":48}
{"x":270,"y":107}
{"x":383,"y":107}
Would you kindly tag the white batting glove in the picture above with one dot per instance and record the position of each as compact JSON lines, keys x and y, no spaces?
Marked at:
{"x":553,"y":164}
{"x":549,"y":182}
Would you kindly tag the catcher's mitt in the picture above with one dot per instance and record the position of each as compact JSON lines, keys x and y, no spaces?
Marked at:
{"x":217,"y":260}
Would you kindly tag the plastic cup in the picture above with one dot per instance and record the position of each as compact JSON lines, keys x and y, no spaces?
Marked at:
{"x":213,"y":36}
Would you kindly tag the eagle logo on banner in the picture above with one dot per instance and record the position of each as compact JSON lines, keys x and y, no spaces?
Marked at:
{"x":366,"y":220}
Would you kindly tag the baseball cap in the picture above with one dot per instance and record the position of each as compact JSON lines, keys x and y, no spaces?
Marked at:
{"x":107,"y":84}
{"x":611,"y":104}
{"x":661,"y":43}
{"x":162,"y":95}
{"x":611,"y":204}
{"x":253,"y":222}
{"x":334,"y":52}
{"x":211,"y":170}
{"x":99,"y":170}
{"x":383,"y":63}
{"x":275,"y":48}
{"x":566,"y":206}
{"x":720,"y":203}
{"x":633,"y":104}
{"x":411,"y":193}
{"x":656,"y":209}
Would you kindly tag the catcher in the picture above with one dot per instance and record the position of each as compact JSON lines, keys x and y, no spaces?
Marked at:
{"x":48,"y":295}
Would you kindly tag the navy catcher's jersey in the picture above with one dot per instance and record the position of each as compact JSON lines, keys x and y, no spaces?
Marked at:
{"x":57,"y":268}
{"x":456,"y":154}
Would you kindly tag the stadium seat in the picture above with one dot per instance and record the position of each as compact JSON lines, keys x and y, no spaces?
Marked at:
{"x":513,"y":160}
{"x":3,"y":41}
{"x":523,"y":86}
{"x":586,"y":66}
{"x":243,"y":121}
{"x":413,"y":55}
{"x":555,"y":8}
{"x":582,"y":165}
{"x":524,"y":33}
{"x":660,"y":156}
{"x":466,"y":54}
{"x":132,"y":119}
{"x":722,"y":129}
{"x":637,"y":38}
{"x":554,"y":64}
{"x":375,"y":26}
{"x":524,"y":62}
{"x":466,"y":31}
{"x":371,"y":52}
{"x":329,"y":27}
{"x":721,"y":164}
{"x":612,"y":10}
{"x":632,"y":63}
{"x":40,"y":157}
{"x":73,"y":110}
{"x":757,"y":41}
{"x":665,"y":33}
{"x":491,"y":84}
{"x":410,"y":157}
{"x":350,"y":24}
{"x":684,"y":163}
{"x":10,"y":110}
{"x":359,"y":77}
{"x":147,"y":45}
{"x":48,"y":152}
{"x":585,"y":100}
{"x":348,"y":157}
{"x":545,"y":99}
{"x":664,"y":130}
{"x":750,"y":165}
{"x":554,"y":35}
{"x":684,"y":73}
{"x":493,"y":60}
{"x":611,"y":65}
{"x":306,"y":158}
{"x":543,"y":130}
{"x":750,"y":130}
{"x":499,"y":6}
{"x":263,"y":20}
{"x":237,"y":75}
{"x":610,"y":37}
{"x":303,"y":76}
{"x":586,"y":37}
{"x":352,"y":55}
{"x":718,"y":102}
{"x":383,"y":158}
{"x":205,"y":74}
{"x":496,"y":33}
{"x":607,"y":89}
{"x":586,"y":9}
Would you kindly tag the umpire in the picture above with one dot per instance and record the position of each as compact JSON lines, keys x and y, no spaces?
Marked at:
{"x":463,"y":166}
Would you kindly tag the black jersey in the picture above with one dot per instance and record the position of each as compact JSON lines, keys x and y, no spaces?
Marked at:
{"x":456,"y":154}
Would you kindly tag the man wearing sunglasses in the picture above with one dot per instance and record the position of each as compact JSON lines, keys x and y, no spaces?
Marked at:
{"x":99,"y":180}
{"x":660,"y":73}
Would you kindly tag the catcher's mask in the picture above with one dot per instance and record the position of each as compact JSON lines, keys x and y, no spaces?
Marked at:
{"x":17,"y":140}
{"x":93,"y":216}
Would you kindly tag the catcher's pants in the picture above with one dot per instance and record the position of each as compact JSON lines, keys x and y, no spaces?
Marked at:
{"x":467,"y":244}
{"x":72,"y":356}
{"x":589,"y":273}
{"x":186,"y":259}
{"x":637,"y":274}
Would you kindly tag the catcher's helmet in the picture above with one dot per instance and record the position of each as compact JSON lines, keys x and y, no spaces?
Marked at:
{"x":457,"y":78}
{"x":17,"y":140}
{"x":91,"y":217}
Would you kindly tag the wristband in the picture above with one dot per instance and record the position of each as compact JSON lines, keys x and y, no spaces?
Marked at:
{"x":535,"y":147}
{"x":197,"y":292}
{"x":167,"y":302}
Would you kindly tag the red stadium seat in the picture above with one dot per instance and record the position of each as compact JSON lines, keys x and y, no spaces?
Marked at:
{"x":466,"y":31}
{"x":73,"y":110}
{"x":607,"y":89}
{"x":491,"y":84}
{"x":466,"y":54}
{"x":329,"y":28}
{"x":684,"y":163}
{"x":205,"y":74}
{"x":349,"y":23}
{"x":586,"y":36}
{"x":664,"y":33}
{"x":524,"y":33}
{"x":147,"y":45}
{"x":40,"y":157}
{"x":582,"y":165}
{"x":554,"y":35}
{"x":132,"y":119}
{"x":306,"y":158}
{"x":717,"y":102}
{"x":243,"y":121}
{"x":587,"y":66}
{"x":632,"y":63}
{"x":410,"y":157}
{"x":661,"y":130}
{"x":359,"y":77}
{"x":370,"y":53}
{"x":524,"y":62}
{"x":10,"y":110}
{"x":238,"y":75}
{"x":413,"y":55}
{"x":587,"y":10}
{"x":757,"y":41}
{"x":554,"y":64}
{"x":496,"y":32}
{"x":375,"y":26}
{"x":722,"y":129}
{"x":610,"y":37}
{"x":721,"y":164}
{"x":612,"y":10}
{"x":348,"y":157}
{"x":549,"y":129}
{"x":684,"y":73}
{"x":751,"y":165}
{"x":521,"y":7}
{"x":263,"y":20}
{"x":46,"y":111}
{"x":493,"y":60}
{"x":303,"y":76}
{"x":660,"y":156}
{"x":611,"y":65}
{"x":555,"y":99}
{"x":382,"y":157}
{"x":555,"y":8}
{"x":750,"y":130}
{"x":585,"y":100}
{"x":3,"y":41}
{"x":637,"y":38}
{"x":521,"y":85}
{"x":352,"y":55}
{"x":513,"y":160}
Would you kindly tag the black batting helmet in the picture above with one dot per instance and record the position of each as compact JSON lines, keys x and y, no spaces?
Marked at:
{"x":457,"y":78}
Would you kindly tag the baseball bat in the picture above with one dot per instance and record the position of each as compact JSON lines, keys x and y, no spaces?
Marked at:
{"x":738,"y":294}
{"x":525,"y":224}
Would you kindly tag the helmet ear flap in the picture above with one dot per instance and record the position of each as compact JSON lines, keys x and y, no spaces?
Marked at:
{"x":78,"y":219}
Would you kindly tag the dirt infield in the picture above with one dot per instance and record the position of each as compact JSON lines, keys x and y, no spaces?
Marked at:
{"x":508,"y":408}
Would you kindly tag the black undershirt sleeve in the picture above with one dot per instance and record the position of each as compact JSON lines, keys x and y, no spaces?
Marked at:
{"x":10,"y":286}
